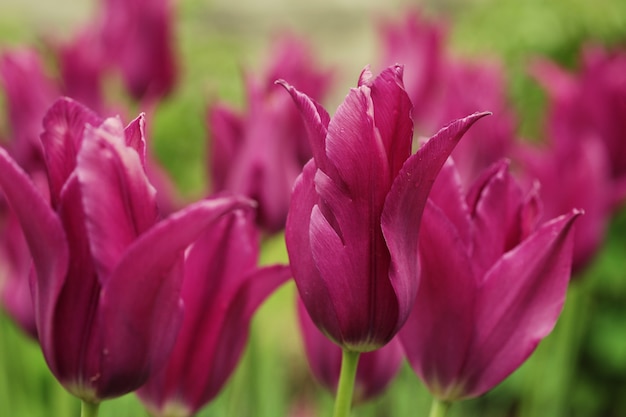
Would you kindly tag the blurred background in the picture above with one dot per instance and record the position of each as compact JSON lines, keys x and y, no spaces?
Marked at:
{"x":218,"y":40}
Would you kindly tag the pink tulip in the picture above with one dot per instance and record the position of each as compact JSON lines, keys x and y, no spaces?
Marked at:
{"x":138,"y":39}
{"x":493,"y":283}
{"x":590,"y":105}
{"x":419,"y":45}
{"x":261,"y":152}
{"x":29,"y":92}
{"x":106,"y":289}
{"x":587,"y":185}
{"x":355,"y":212}
{"x":470,"y":86}
{"x":222,"y":288}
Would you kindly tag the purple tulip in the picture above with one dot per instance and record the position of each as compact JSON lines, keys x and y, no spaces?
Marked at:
{"x":442,"y":88}
{"x":138,"y":39}
{"x":83,"y":64}
{"x":478,"y":85}
{"x":420,"y":46}
{"x":590,"y":105}
{"x":376,"y":369}
{"x":108,"y":270}
{"x":29,"y":92}
{"x":587,"y":186}
{"x":261,"y":152}
{"x":356,"y":208}
{"x":222,"y":288}
{"x":493,"y":283}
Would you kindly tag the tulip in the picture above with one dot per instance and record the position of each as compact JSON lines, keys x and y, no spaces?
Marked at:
{"x":477,"y":85}
{"x":376,"y":369}
{"x":261,"y":152}
{"x":29,"y":92}
{"x":587,"y":186}
{"x":419,"y":45}
{"x":108,"y":272}
{"x":222,"y":288}
{"x":137,"y":38}
{"x":83,"y":63}
{"x":590,"y":105}
{"x":356,"y":209}
{"x":442,"y":89}
{"x":355,"y":212}
{"x":493,"y":283}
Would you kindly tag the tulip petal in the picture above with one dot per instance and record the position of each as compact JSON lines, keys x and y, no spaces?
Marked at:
{"x":316,"y":120}
{"x":115,"y":191}
{"x":135,"y":135}
{"x":404,"y":206}
{"x":45,"y":237}
{"x":447,"y":193}
{"x":392,"y":116}
{"x":220,"y":354}
{"x":73,"y":352}
{"x":356,"y":274}
{"x":437,"y":334}
{"x":226,"y":133}
{"x":141,"y":303}
{"x":61,"y":139}
{"x":521,"y":299}
{"x":314,"y":291}
{"x":494,"y":205}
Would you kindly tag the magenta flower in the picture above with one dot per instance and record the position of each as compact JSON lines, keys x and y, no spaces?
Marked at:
{"x":492,"y":283}
{"x":477,"y":85}
{"x":442,"y":89}
{"x":106,"y":290}
{"x":356,"y":208}
{"x":83,"y":66}
{"x":590,"y":105}
{"x":420,"y":46}
{"x":376,"y":369}
{"x":138,"y":39}
{"x":261,"y":152}
{"x":28,"y":95}
{"x":222,"y":288}
{"x":587,"y":185}
{"x":29,"y":92}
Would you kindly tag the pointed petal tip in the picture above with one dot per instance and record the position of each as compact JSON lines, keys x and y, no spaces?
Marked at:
{"x":284,"y":83}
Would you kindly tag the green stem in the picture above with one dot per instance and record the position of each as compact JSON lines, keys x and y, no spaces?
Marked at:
{"x":439,"y":408}
{"x":343,"y":401}
{"x":88,"y":409}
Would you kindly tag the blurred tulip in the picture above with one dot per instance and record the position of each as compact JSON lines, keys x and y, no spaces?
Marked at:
{"x":138,"y":39}
{"x":376,"y":369}
{"x":443,"y":89}
{"x":493,"y":283}
{"x":587,"y":186}
{"x":222,"y":288}
{"x":590,"y":105}
{"x":83,"y":65}
{"x":419,"y":45}
{"x":261,"y":152}
{"x":106,"y":291}
{"x":29,"y":93}
{"x":470,"y":86}
{"x":355,"y":212}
